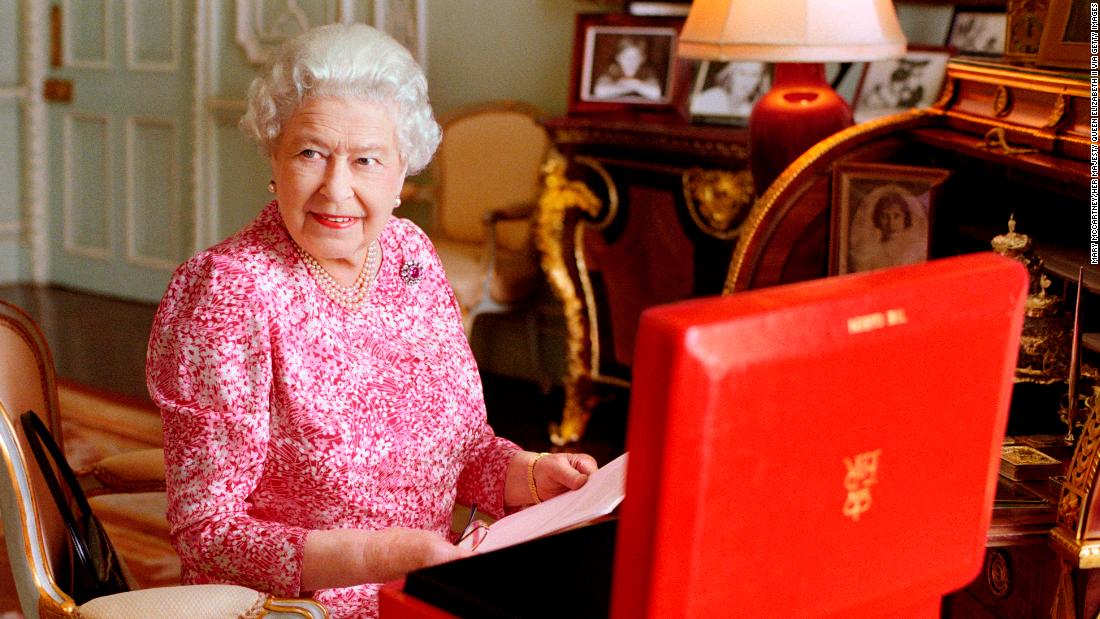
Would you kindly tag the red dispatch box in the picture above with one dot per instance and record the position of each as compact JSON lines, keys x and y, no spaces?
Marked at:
{"x":822,"y":449}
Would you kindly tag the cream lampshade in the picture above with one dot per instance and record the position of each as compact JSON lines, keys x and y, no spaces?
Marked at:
{"x":798,"y":35}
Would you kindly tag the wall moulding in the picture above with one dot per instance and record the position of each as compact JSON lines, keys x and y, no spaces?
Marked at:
{"x":263,"y":24}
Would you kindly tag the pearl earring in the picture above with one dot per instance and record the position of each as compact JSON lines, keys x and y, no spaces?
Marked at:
{"x":396,"y":202}
{"x":271,"y":187}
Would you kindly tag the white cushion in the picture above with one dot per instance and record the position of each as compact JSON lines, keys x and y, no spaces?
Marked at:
{"x":194,"y":601}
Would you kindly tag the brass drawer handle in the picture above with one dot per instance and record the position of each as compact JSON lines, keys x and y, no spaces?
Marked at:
{"x":995,"y":138}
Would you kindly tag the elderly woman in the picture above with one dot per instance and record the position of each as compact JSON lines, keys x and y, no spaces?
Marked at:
{"x":322,"y":409}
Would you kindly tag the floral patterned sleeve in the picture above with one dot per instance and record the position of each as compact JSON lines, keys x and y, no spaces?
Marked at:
{"x":481,"y":480}
{"x":209,"y":371}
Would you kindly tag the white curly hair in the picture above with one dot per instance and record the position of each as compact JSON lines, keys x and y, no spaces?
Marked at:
{"x":345,"y":60}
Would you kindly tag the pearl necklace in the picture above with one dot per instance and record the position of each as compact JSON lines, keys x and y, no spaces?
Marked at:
{"x":348,"y":297}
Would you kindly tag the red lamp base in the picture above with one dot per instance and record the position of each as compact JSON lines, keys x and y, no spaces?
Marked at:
{"x":799,"y":111}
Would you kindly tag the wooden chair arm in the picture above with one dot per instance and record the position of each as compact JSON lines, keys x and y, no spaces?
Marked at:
{"x":133,"y":471}
{"x":509,"y":213}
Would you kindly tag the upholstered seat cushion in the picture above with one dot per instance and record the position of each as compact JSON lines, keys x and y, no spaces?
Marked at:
{"x":132,"y":471}
{"x":514,"y":276}
{"x":227,"y":601}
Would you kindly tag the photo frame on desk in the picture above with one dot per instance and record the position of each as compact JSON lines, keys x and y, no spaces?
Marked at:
{"x":1065,"y":39}
{"x":667,"y":7}
{"x":899,"y":84}
{"x":1024,"y":29}
{"x":725,"y":92}
{"x":881,"y":215}
{"x":980,"y":33}
{"x":628,"y":62}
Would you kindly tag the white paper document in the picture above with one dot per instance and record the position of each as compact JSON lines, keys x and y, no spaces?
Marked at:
{"x":603,"y":492}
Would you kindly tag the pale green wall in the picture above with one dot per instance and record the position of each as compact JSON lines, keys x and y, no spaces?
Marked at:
{"x":522,"y":49}
{"x":518,"y":49}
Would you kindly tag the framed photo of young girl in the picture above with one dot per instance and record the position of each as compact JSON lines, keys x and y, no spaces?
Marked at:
{"x":881,"y":215}
{"x":725,"y":92}
{"x":623,"y":62}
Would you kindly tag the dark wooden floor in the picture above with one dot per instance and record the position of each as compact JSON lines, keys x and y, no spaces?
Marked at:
{"x":100,"y":342}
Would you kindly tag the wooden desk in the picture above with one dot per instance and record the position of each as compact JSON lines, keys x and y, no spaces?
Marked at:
{"x":638,"y":211}
{"x":1020,"y":569}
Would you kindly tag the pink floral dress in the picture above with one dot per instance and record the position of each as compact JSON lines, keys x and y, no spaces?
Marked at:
{"x":285,"y":413}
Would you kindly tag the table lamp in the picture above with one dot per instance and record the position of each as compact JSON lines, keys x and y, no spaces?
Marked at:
{"x":799,"y":36}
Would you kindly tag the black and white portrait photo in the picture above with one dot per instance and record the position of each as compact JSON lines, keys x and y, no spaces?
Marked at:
{"x":726,"y":91}
{"x":882,"y":215}
{"x":978,"y":32}
{"x":896,"y":85}
{"x":630,"y":65}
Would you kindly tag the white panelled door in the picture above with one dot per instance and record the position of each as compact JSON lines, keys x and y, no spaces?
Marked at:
{"x":120,"y":152}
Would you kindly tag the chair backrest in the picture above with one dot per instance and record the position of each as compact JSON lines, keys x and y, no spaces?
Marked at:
{"x":489,"y":159}
{"x":28,"y":532}
{"x":28,"y":381}
{"x":36,"y":541}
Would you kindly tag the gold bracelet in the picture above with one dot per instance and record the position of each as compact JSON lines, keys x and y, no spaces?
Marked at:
{"x":531,"y":476}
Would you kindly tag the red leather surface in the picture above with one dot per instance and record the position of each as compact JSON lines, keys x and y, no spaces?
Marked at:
{"x":749,"y":414}
{"x":393,"y":603}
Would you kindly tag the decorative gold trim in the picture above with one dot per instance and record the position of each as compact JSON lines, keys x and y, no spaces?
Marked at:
{"x":588,"y":135}
{"x":995,"y":139}
{"x":283,"y":605}
{"x":1057,"y":113}
{"x":751,"y":227}
{"x":1009,"y":127}
{"x":717,"y":200}
{"x":559,"y":195}
{"x":948,"y":94}
{"x":998,"y":573}
{"x":1069,"y":535}
{"x":52,"y":601}
{"x":1002,"y":101}
{"x":593,"y":327}
{"x":612,"y":209}
{"x":1011,"y":78}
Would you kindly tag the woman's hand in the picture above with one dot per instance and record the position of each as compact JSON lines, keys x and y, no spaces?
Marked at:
{"x":553,"y":475}
{"x":558,"y":473}
{"x":348,"y":557}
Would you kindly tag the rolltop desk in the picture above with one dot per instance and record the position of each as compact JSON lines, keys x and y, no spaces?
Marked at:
{"x":1016,"y":142}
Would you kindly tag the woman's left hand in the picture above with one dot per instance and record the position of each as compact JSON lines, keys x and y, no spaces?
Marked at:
{"x":562,"y":472}
{"x":553,"y":474}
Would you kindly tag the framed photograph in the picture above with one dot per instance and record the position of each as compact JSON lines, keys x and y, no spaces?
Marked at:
{"x":899,"y":84}
{"x":672,"y":7}
{"x":978,"y":32}
{"x":623,"y":62}
{"x":1024,"y":28}
{"x":1065,"y":38}
{"x":881,"y":215}
{"x":725,"y":92}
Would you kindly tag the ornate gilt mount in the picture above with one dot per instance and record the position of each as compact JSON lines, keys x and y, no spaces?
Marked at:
{"x":1002,"y":101}
{"x":559,"y":195}
{"x":998,"y":573}
{"x":948,"y":94}
{"x":1057,"y":113}
{"x":995,"y":139}
{"x":717,"y":200}
{"x":1069,"y":537}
